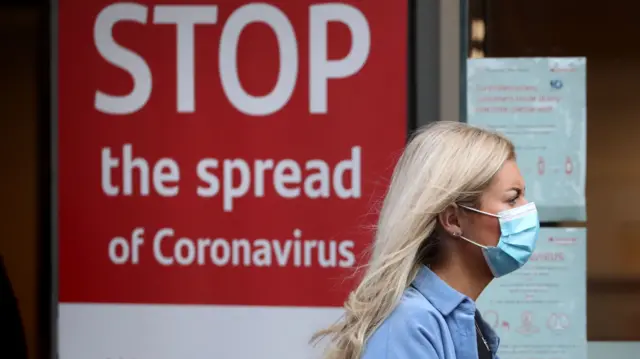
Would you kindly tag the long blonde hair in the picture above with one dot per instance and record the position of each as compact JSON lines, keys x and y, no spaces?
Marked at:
{"x":444,"y":163}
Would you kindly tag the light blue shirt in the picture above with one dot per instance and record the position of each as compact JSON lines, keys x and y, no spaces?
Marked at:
{"x":432,"y":321}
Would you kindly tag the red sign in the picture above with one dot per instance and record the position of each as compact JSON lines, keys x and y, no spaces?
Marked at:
{"x":224,"y":152}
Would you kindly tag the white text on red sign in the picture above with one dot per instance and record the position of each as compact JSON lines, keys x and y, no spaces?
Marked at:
{"x":186,"y":17}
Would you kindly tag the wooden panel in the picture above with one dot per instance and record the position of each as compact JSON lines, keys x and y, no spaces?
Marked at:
{"x":613,"y":313}
{"x":18,"y":155}
{"x":562,"y":28}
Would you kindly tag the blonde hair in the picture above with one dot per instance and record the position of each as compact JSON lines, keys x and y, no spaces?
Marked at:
{"x":444,"y":163}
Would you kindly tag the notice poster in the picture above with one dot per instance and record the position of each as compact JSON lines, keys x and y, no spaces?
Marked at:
{"x":217,"y":162}
{"x":540,"y":311}
{"x":540,"y":104}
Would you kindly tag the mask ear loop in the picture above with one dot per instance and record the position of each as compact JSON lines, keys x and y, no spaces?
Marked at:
{"x":478,"y":211}
{"x":459,"y":235}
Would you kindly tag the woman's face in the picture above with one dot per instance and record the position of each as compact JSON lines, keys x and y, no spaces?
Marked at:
{"x":506,"y":191}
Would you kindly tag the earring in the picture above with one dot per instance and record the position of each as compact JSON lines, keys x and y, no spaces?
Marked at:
{"x":457,"y":234}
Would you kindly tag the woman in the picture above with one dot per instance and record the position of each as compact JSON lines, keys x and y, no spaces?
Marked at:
{"x":454,"y":218}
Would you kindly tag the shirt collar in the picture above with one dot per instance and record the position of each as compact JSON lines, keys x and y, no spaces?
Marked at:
{"x":444,"y":298}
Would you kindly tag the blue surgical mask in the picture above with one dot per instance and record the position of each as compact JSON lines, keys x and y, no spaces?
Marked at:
{"x":519,"y":228}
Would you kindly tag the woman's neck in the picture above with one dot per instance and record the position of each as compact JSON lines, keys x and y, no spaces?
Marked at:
{"x":463,"y":276}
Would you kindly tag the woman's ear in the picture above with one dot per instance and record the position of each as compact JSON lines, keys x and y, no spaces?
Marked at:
{"x":450,"y":220}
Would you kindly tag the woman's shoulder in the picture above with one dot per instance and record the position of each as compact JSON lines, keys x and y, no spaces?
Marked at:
{"x":414,"y":309}
{"x":415,"y":327}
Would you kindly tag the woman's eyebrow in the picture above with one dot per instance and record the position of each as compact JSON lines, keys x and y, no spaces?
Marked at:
{"x":518,"y":190}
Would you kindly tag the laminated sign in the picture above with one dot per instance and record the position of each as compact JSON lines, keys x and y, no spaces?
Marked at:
{"x":540,"y":310}
{"x":541,"y":105}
